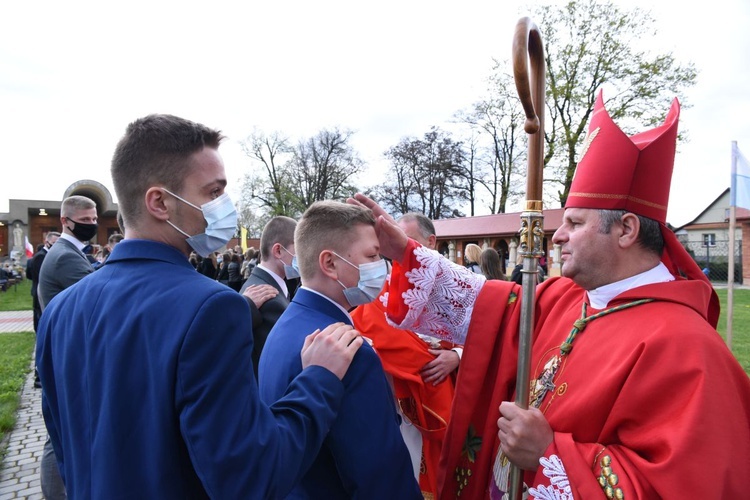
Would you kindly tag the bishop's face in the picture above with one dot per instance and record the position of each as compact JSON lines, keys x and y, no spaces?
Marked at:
{"x":587,"y":254}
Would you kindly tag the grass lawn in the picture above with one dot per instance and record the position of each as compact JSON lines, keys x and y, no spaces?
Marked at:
{"x":17,"y":298}
{"x":15,"y":364}
{"x":740,"y":324}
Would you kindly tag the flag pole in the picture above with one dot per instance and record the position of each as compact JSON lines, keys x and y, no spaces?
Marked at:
{"x":732,"y":225}
{"x":528,"y":48}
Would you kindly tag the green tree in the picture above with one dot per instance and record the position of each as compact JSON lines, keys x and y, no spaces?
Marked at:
{"x":590,"y":45}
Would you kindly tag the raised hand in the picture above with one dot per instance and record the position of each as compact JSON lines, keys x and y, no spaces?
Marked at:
{"x":392,"y":238}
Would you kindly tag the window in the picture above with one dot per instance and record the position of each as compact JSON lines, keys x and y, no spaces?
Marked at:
{"x":709,"y":240}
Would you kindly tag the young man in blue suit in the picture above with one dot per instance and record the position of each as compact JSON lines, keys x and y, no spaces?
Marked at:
{"x":146,"y":368}
{"x":364,"y":455}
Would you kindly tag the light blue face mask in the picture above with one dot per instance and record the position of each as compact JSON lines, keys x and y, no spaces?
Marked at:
{"x":291,"y":271}
{"x":221,"y":224}
{"x":372,"y":276}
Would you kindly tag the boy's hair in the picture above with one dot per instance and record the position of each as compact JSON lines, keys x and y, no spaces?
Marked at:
{"x":326,"y":225}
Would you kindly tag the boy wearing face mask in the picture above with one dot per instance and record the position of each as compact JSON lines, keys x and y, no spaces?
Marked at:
{"x":364,"y":455}
{"x":274,"y":268}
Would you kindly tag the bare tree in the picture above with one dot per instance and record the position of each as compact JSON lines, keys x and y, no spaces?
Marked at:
{"x":266,"y":188}
{"x":498,"y":121}
{"x":323,"y":168}
{"x":425,"y":176}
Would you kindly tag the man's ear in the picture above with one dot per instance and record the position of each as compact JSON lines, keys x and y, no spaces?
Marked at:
{"x":431,"y":242}
{"x":630,"y":227}
{"x":276,"y":250}
{"x":156,"y":203}
{"x":327,"y":264}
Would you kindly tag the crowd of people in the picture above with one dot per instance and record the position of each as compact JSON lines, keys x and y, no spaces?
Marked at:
{"x":347,"y":358}
{"x":231,"y":267}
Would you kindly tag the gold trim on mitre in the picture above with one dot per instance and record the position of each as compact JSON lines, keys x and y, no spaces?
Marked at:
{"x":618,"y":197}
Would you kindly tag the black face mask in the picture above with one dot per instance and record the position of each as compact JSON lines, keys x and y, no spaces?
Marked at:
{"x":82,"y":231}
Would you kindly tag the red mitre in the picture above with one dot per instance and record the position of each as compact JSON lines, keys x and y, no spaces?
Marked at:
{"x":617,"y":172}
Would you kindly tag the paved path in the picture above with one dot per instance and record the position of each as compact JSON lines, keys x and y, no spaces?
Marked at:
{"x":19,"y":474}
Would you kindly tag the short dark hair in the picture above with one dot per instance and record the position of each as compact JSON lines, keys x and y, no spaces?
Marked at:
{"x":154,"y":151}
{"x":279,"y":229}
{"x":649,"y":236}
{"x":425,"y":225}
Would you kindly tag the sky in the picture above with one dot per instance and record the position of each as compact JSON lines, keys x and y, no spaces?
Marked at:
{"x":74,"y":74}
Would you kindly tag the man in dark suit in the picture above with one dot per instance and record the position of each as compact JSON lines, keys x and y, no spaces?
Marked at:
{"x":274,"y":267}
{"x":35,"y":269}
{"x":64,"y":265}
{"x":364,"y":455}
{"x":145,"y":364}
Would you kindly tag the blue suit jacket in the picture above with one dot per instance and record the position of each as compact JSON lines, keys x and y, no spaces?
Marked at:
{"x":364,"y":455}
{"x":149,"y":390}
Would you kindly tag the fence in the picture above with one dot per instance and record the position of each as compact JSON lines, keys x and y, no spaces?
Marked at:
{"x":714,"y":259}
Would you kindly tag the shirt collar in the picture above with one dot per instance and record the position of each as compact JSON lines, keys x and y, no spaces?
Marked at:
{"x":600,"y":297}
{"x":75,"y":241}
{"x":331,"y":301}
{"x":278,"y":279}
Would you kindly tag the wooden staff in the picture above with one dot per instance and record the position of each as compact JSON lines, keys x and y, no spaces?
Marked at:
{"x":528,"y":46}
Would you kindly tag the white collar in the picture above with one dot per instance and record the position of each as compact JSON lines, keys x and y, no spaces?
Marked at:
{"x":600,"y":297}
{"x":75,"y":241}
{"x":279,"y":280}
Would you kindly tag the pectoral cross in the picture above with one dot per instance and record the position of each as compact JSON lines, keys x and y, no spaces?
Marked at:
{"x":544,"y":384}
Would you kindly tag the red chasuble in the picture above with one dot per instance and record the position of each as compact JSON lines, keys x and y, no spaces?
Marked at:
{"x":649,"y":403}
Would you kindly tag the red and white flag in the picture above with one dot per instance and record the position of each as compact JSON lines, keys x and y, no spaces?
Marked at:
{"x":29,"y":248}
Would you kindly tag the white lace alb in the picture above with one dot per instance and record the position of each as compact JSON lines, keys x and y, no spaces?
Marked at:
{"x":442,"y":300}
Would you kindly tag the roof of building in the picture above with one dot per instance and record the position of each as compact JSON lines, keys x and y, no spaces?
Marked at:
{"x":492,"y":225}
{"x":740,"y":213}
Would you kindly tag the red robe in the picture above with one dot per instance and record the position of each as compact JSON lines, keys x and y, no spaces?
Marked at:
{"x":650,"y":400}
{"x":427,"y":406}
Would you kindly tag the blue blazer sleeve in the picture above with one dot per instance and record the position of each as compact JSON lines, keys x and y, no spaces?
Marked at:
{"x":240,"y":447}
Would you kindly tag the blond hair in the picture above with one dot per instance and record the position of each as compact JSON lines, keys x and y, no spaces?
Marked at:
{"x":326,"y":225}
{"x":74,"y":204}
{"x":473,"y":253}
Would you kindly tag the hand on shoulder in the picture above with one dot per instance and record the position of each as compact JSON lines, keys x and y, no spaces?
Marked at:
{"x":333,"y":348}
